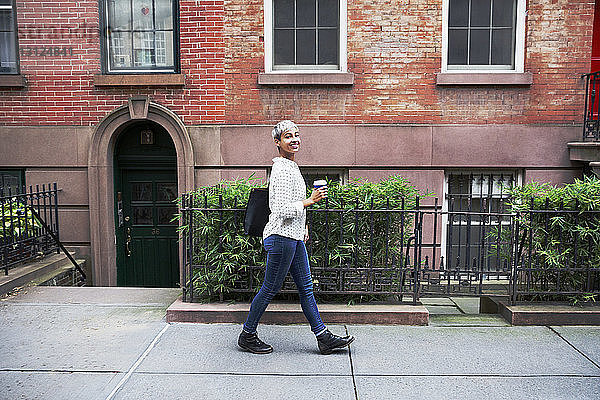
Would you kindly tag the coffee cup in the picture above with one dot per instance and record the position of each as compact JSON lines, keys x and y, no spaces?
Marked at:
{"x":319,"y":184}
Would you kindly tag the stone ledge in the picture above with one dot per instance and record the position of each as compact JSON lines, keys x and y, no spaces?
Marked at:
{"x":283,"y":313}
{"x":139,"y":80}
{"x":584,"y":151}
{"x":548,"y":313}
{"x":479,"y":78}
{"x":16,"y":81}
{"x":335,"y":78}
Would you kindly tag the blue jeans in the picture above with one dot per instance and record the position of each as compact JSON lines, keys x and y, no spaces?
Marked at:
{"x":285,"y":254}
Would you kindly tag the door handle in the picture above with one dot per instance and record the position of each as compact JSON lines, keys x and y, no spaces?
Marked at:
{"x":128,"y":241}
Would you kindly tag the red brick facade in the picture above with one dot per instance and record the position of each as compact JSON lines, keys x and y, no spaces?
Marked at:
{"x":394,"y":50}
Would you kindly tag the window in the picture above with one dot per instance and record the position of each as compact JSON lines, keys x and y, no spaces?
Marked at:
{"x":312,"y":174}
{"x":333,"y":175}
{"x":482,"y":35}
{"x":11,"y":180}
{"x":8,"y":38}
{"x":475,"y":230}
{"x":305,"y":35}
{"x":141,"y":36}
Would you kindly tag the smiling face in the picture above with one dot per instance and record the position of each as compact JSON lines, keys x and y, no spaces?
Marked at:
{"x":289,"y":143}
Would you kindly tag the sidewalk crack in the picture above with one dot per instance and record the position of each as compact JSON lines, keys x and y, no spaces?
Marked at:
{"x":351,"y":366}
{"x":576,"y":349}
{"x":137,"y":363}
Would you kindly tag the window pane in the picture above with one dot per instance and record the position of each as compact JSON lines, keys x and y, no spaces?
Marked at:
{"x":457,"y":46}
{"x":143,"y":49}
{"x":306,"y":13}
{"x":503,"y":14}
{"x":6,"y":21}
{"x":8,"y":58}
{"x":502,"y":46}
{"x":480,"y":13}
{"x":305,"y":46}
{"x":164,"y":49}
{"x":328,"y":13}
{"x":328,"y":47}
{"x":479,"y":50}
{"x":120,"y":49}
{"x":142,"y":14}
{"x":164,"y":14}
{"x":458,"y":13}
{"x":284,"y":13}
{"x":284,"y":46}
{"x":5,"y":2}
{"x":119,"y":15}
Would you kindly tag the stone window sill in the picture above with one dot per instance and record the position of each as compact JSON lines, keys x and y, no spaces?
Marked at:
{"x":139,"y":80}
{"x":16,"y":81}
{"x":291,"y":78}
{"x":480,"y":78}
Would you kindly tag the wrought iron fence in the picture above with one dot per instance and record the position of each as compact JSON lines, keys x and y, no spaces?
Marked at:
{"x":591,"y":117}
{"x":23,"y":214}
{"x":471,"y":247}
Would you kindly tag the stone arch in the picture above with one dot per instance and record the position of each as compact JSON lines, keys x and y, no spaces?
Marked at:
{"x":101,"y":177}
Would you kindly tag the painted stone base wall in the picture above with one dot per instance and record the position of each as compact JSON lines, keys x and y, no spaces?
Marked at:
{"x":421,"y":153}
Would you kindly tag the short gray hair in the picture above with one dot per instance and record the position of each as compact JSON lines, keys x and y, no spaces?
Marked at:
{"x":281,"y":127}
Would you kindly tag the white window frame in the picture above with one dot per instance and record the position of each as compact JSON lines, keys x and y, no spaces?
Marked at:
{"x":519,"y":44}
{"x":343,"y":43}
{"x":518,"y":176}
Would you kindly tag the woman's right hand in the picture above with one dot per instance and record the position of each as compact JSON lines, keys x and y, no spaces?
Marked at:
{"x":316,"y":196}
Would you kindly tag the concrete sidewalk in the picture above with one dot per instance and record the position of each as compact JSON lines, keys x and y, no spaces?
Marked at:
{"x":113,"y":343}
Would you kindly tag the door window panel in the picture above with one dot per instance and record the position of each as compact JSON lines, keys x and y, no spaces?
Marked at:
{"x":142,"y":215}
{"x":141,"y":191}
{"x":166,"y":214}
{"x":166,"y":191}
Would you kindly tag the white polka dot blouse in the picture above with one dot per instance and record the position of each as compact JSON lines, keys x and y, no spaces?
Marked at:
{"x":287,"y":190}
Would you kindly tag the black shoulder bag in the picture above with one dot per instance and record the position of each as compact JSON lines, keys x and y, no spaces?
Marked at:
{"x":257,"y":212}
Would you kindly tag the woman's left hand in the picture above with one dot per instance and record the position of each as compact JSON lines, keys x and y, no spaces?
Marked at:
{"x":306,"y":234}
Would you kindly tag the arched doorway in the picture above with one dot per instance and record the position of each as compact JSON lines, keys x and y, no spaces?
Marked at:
{"x":101,"y":173}
{"x":145,"y":176}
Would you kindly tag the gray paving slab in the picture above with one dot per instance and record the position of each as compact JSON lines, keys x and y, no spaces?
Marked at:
{"x":585,"y":338}
{"x":56,"y":385}
{"x":227,"y":387}
{"x":159,"y":297}
{"x":437,"y":301}
{"x":401,"y":350}
{"x":213,"y":348}
{"x":75,"y":337}
{"x":468,"y":305}
{"x":477,"y":388}
{"x":437,"y":310}
{"x":467,"y":320}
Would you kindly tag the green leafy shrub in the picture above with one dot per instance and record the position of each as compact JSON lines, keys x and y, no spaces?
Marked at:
{"x":231,"y":265}
{"x":555,"y":243}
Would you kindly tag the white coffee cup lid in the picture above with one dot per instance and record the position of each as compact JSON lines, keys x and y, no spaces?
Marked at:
{"x":320,"y":182}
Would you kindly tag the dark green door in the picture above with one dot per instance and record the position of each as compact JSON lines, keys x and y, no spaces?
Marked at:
{"x":148,"y":249}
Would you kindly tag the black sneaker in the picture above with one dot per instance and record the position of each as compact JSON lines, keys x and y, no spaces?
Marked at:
{"x":328,"y":342}
{"x":250,"y":342}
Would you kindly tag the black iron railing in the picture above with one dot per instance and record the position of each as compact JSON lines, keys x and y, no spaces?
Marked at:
{"x":22,"y":234}
{"x":475,"y":246}
{"x":591,"y":117}
{"x":29,"y":226}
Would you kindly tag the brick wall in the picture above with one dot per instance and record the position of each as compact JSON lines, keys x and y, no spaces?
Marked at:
{"x":394,"y":50}
{"x":60,"y":89}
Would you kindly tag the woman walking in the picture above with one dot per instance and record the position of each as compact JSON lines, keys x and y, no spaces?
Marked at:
{"x":283,"y":239}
